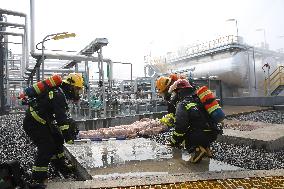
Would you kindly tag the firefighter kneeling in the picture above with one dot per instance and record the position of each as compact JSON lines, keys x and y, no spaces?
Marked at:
{"x":44,"y":110}
{"x":192,"y":125}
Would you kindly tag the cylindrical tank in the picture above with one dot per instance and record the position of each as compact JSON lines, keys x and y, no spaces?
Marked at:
{"x":242,"y":69}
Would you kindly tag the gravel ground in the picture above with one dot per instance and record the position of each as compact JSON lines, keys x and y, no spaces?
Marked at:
{"x":268,"y":116}
{"x":16,"y":145}
{"x":245,"y":157}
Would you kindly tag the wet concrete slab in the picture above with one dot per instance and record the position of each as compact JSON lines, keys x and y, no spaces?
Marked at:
{"x":138,"y":156}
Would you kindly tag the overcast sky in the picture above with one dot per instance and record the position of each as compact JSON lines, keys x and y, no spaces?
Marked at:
{"x":136,"y":27}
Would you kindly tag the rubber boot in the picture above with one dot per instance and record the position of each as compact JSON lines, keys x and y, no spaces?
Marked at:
{"x":198,"y":155}
{"x":61,"y":165}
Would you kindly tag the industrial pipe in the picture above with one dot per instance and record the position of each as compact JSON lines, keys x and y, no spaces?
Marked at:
{"x":14,"y":13}
{"x":32,"y":21}
{"x":24,"y":36}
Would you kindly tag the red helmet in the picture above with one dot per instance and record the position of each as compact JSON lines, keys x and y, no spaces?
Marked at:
{"x":175,"y":76}
{"x":179,"y":84}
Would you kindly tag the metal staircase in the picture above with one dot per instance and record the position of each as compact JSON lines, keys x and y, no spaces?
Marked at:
{"x":276,"y":81}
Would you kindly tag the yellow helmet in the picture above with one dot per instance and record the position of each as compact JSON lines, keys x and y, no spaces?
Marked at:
{"x":75,"y":79}
{"x":163,"y":83}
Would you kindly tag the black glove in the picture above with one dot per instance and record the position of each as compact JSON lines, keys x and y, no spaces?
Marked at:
{"x":74,"y":130}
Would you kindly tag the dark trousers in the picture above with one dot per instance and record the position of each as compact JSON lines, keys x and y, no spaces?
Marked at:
{"x":199,"y":138}
{"x":49,"y":142}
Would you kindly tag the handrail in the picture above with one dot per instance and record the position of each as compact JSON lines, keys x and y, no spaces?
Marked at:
{"x":278,"y":75}
{"x":276,"y":83}
{"x":280,"y":68}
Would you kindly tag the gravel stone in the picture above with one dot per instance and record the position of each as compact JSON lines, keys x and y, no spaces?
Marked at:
{"x":268,"y":116}
{"x":16,"y":145}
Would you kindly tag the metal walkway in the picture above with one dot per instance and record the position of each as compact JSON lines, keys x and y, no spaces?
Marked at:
{"x":253,"y":179}
{"x":245,"y":183}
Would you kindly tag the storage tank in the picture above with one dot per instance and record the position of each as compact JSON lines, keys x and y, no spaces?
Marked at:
{"x":239,"y":71}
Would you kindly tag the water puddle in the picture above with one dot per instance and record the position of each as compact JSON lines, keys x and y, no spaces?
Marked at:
{"x":138,"y":156}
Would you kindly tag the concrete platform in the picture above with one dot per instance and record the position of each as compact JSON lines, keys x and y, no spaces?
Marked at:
{"x":270,"y":138}
{"x":279,"y":107}
{"x":235,"y":110}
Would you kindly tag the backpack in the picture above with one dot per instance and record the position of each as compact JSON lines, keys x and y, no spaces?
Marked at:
{"x":43,"y":86}
{"x":208,"y":101}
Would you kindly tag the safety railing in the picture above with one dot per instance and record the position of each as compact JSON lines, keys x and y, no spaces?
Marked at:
{"x":276,"y":80}
{"x":203,"y":48}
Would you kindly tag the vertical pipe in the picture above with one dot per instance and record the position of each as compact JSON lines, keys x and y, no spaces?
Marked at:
{"x":26,"y":43}
{"x":23,"y":60}
{"x":103,"y":80}
{"x":32,"y":15}
{"x":2,"y":96}
{"x":110,"y":74}
{"x":249,"y":74}
{"x":6,"y":64}
{"x":32,"y":39}
{"x":153,"y":89}
{"x":237,"y":30}
{"x":37,"y":70}
{"x":254,"y":69}
{"x":131,"y":71}
{"x":89,"y":90}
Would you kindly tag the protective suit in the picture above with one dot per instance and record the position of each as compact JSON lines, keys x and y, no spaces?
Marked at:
{"x":192,"y":125}
{"x":48,"y":124}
